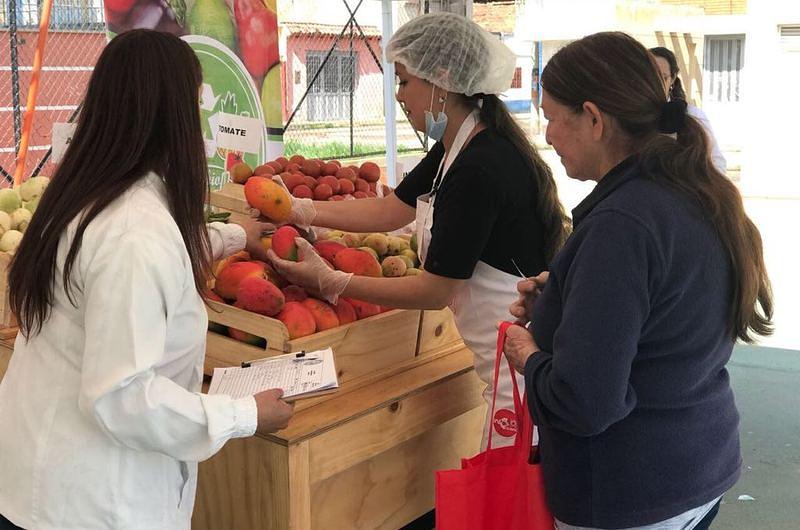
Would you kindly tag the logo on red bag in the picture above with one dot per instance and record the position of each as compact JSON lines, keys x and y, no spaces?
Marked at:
{"x":505,"y":422}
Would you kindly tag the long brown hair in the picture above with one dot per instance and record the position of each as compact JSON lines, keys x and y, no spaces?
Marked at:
{"x":676,"y":88}
{"x":140,"y":114}
{"x":495,"y":116}
{"x":620,"y":76}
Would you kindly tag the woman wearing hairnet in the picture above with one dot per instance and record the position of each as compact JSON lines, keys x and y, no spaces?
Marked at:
{"x":483,"y":199}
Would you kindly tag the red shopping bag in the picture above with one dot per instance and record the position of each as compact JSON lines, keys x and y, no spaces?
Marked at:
{"x":498,"y":489}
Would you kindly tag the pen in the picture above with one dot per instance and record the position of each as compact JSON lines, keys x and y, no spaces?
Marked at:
{"x":522,"y":274}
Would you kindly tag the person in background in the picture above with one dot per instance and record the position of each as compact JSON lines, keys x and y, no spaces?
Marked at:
{"x":624,"y":357}
{"x":102,"y":421}
{"x":485,"y":203}
{"x":668,"y":67}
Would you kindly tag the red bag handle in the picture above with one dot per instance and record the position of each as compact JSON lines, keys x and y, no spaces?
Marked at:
{"x":524,"y":436}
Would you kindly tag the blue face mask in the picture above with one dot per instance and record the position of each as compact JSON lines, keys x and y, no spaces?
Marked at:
{"x":435,"y":128}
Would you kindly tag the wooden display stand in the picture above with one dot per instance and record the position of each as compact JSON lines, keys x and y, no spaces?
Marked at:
{"x":360,"y":347}
{"x":6,"y":349}
{"x":364,"y":458}
{"x":7,"y":319}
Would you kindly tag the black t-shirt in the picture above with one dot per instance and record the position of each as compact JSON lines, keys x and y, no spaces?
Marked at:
{"x":485,"y":209}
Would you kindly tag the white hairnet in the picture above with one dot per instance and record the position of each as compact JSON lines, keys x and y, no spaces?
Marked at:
{"x":453,"y":53}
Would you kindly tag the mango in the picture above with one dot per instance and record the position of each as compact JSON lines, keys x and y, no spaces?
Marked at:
{"x":268,"y":197}
{"x":273,"y":276}
{"x":377,"y":242}
{"x":394,"y":267}
{"x":363,"y":309}
{"x":324,"y":315}
{"x":345,"y":312}
{"x":247,"y":337}
{"x":298,"y":320}
{"x":294,"y":293}
{"x":283,"y":242}
{"x":228,"y":280}
{"x":328,"y":249}
{"x":242,"y":255}
{"x":413,"y":272}
{"x":413,"y":242}
{"x":358,"y":262}
{"x":260,"y":296}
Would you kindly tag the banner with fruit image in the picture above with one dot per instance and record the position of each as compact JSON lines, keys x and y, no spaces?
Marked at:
{"x":237,"y":44}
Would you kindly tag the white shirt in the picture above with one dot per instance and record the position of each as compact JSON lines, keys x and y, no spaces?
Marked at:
{"x":716,"y":153}
{"x":685,"y":521}
{"x":101,"y":417}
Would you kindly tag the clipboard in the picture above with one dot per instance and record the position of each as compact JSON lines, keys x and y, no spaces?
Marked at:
{"x":301,"y":375}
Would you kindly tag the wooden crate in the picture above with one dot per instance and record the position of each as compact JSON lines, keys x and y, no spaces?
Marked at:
{"x":437,"y":332}
{"x":359,"y":347}
{"x":364,"y":458}
{"x":7,"y":318}
{"x":231,"y":198}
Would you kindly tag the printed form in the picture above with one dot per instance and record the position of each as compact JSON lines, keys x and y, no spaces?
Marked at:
{"x":298,"y":374}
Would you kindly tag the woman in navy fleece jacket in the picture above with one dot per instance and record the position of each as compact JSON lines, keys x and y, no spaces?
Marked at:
{"x":624,"y":358}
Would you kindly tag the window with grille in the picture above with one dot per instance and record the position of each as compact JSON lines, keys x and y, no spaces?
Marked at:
{"x":329,"y":97}
{"x":64,"y":14}
{"x":516,"y":82}
{"x":338,"y":74}
{"x":722,"y":68}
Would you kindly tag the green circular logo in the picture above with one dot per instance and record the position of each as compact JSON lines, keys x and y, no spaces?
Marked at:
{"x":227,"y":88}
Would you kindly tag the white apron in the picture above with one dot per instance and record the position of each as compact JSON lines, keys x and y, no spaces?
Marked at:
{"x":478,"y":305}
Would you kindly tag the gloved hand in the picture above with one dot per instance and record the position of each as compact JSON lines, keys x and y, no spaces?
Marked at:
{"x":303,"y":210}
{"x":529,"y":290}
{"x":311,"y":272}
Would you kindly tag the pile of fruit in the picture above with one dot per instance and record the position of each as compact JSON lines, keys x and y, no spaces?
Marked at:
{"x":316,"y":179}
{"x":374,"y":254}
{"x":17,"y":206}
{"x":256,"y":286}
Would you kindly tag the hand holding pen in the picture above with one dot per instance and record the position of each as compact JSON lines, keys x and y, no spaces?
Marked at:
{"x":529,"y":290}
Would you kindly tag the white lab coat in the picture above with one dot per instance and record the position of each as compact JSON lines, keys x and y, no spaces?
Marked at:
{"x":716,"y":153}
{"x":102,"y":421}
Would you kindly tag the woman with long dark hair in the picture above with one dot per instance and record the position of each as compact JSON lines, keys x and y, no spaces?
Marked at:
{"x":624,"y":359}
{"x":668,"y":67}
{"x":101,"y":417}
{"x":485,"y":203}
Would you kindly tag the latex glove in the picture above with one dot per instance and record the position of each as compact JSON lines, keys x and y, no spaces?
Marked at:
{"x":303,"y":210}
{"x":529,"y":290}
{"x":519,"y":346}
{"x":311,"y":272}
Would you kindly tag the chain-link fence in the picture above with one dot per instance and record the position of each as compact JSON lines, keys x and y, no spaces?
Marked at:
{"x":75,"y":39}
{"x":333,"y":80}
